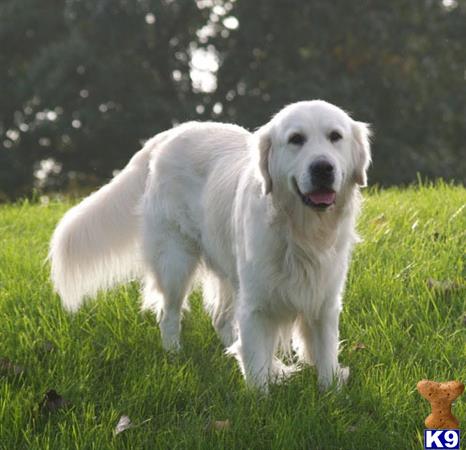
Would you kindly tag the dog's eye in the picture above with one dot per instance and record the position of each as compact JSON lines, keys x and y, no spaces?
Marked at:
{"x":296,"y":139}
{"x":335,"y":136}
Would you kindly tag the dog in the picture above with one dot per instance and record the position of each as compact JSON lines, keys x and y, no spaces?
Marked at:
{"x":265,"y":220}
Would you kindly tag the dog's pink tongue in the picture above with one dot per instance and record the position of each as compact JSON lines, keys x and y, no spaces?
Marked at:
{"x":322,"y":197}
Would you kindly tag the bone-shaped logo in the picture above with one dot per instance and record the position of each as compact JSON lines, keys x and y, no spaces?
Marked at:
{"x":440,"y":396}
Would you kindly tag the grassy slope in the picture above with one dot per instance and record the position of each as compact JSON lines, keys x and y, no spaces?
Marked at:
{"x":107,"y":360}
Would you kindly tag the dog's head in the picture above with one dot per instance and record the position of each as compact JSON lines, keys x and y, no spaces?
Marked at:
{"x":313,"y":151}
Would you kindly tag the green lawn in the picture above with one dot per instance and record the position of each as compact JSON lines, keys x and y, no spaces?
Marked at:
{"x":403,"y":320}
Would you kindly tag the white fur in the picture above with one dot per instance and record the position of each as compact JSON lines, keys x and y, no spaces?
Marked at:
{"x":214,"y":199}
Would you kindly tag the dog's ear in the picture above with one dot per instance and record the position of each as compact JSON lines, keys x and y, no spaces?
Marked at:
{"x":263,"y":143}
{"x":361,"y":151}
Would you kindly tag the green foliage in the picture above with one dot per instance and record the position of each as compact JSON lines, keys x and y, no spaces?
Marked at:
{"x":83,"y":82}
{"x":398,"y":65}
{"x":404,"y":302}
{"x":95,"y":78}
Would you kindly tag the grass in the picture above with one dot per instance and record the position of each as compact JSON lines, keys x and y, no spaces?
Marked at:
{"x":403,"y":320}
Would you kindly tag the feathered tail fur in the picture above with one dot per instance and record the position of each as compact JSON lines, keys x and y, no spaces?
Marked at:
{"x":96,"y":244}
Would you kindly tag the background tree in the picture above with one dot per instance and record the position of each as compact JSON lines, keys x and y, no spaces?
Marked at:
{"x":86,"y":81}
{"x":83,"y":82}
{"x":399,"y":65}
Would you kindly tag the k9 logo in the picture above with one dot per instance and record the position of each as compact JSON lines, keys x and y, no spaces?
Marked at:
{"x":444,"y":439}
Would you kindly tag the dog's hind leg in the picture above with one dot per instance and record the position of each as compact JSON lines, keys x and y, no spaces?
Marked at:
{"x":171,"y":260}
{"x":218,"y":297}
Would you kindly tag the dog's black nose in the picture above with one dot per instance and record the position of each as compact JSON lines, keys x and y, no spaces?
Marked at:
{"x":322,"y":172}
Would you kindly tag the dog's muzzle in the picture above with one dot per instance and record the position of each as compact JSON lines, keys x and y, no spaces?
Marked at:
{"x":319,"y":198}
{"x":322,"y":195}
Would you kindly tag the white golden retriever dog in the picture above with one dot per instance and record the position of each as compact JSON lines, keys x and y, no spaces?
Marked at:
{"x":266,"y":219}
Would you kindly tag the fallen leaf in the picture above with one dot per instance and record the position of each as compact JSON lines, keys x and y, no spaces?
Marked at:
{"x":352,"y":428}
{"x":436,"y":236}
{"x":443,"y":285}
{"x":52,"y":402}
{"x":9,"y":368}
{"x":220,"y":425}
{"x":358,"y":346}
{"x":380,"y":219}
{"x":123,"y":424}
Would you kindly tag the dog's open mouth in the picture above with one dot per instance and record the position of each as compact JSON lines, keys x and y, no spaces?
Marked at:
{"x":320,"y":198}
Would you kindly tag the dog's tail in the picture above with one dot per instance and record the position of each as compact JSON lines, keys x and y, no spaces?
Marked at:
{"x":96,"y":244}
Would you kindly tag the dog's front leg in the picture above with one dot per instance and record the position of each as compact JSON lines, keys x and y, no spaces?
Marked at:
{"x":258,"y":338}
{"x":321,"y":338}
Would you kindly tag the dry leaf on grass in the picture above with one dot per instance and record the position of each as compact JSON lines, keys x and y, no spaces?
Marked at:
{"x":436,"y":236}
{"x":219,"y":425}
{"x":443,"y":285}
{"x":52,"y":402}
{"x":123,"y":424}
{"x":358,"y":346}
{"x":380,"y":219}
{"x":9,"y":368}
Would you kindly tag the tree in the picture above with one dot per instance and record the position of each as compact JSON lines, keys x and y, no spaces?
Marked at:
{"x":87,"y":81}
{"x":398,"y":65}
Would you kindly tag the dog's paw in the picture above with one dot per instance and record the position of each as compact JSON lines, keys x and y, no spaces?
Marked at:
{"x":343,"y":374}
{"x":281,"y":372}
{"x":257,"y":385}
{"x":171,"y":344}
{"x":338,"y":379}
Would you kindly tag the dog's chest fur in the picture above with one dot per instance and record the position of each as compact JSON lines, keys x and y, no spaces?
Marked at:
{"x":311,"y":267}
